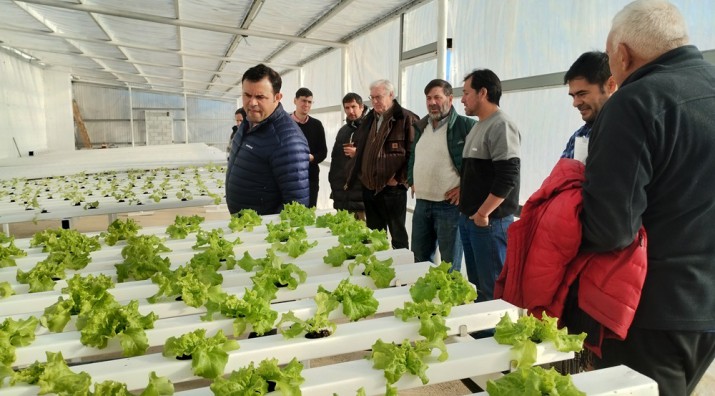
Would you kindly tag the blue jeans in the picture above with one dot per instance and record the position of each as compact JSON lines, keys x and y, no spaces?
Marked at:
{"x":435,"y":224}
{"x":484,"y":252}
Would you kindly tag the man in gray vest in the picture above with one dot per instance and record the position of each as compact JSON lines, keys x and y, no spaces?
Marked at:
{"x":433,"y":176}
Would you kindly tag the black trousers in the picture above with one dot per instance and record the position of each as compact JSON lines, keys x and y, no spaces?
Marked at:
{"x":676,"y":360}
{"x":387,"y":210}
{"x":314,"y":186}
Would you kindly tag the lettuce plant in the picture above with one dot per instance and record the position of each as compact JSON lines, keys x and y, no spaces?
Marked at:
{"x":533,"y":381}
{"x":294,"y":246}
{"x":245,"y":219}
{"x":330,"y":220}
{"x":317,"y":326}
{"x":57,"y":378}
{"x":251,"y":309}
{"x":432,"y":324}
{"x":252,"y":380}
{"x":141,"y":258}
{"x":84,"y":293}
{"x":280,"y":232}
{"x":13,"y":334}
{"x":381,"y":271}
{"x":120,"y":230}
{"x":214,"y":240}
{"x":358,"y":302}
{"x":183,"y":226}
{"x":528,"y":330}
{"x":450,"y":287}
{"x":396,"y":360}
{"x":297,"y":215}
{"x":6,"y":290}
{"x":208,"y":354}
{"x":8,"y":251}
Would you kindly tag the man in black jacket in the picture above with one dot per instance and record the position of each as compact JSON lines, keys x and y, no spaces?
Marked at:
{"x":268,"y":163}
{"x":347,"y":197}
{"x":315,"y":133}
{"x":651,"y":162}
{"x":240,"y":115}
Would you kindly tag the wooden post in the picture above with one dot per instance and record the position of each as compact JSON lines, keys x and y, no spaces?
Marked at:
{"x":84,"y":136}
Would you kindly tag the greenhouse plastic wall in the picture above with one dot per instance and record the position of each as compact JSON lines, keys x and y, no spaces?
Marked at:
{"x":106,"y":112}
{"x":23,"y":105}
{"x":516,"y":39}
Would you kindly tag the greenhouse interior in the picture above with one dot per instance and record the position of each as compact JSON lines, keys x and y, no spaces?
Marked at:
{"x":146,"y":228}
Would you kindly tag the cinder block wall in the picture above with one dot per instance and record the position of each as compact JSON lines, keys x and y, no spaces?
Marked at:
{"x":159,"y":127}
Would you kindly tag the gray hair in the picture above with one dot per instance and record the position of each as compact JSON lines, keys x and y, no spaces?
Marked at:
{"x":385,"y":84}
{"x":650,"y":28}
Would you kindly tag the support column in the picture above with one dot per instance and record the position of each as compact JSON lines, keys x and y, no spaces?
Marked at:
{"x":186,"y":120}
{"x":344,"y":71}
{"x":442,"y":9}
{"x":131,"y":113}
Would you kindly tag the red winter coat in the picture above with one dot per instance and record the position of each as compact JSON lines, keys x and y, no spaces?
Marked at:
{"x":543,"y":259}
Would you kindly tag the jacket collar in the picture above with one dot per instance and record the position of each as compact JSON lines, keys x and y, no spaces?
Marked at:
{"x":354,"y":124}
{"x":277,"y":113}
{"x":686,"y":53}
{"x":422,"y":123}
{"x":397,"y":113}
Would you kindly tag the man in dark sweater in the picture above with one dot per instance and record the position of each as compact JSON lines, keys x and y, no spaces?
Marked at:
{"x":347,"y":197}
{"x":489,"y":181}
{"x":651,"y":162}
{"x":315,"y":133}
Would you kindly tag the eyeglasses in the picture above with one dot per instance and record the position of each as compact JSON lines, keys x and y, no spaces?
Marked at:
{"x":376,"y":98}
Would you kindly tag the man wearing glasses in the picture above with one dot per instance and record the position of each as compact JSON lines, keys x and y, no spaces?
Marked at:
{"x":384,"y":142}
{"x":268,"y":163}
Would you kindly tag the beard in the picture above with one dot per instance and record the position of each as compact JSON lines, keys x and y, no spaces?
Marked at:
{"x":437,"y":116}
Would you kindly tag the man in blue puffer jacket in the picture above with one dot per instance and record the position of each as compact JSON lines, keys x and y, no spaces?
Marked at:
{"x":268,"y":163}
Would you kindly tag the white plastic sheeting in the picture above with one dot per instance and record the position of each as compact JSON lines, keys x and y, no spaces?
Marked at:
{"x":420,"y":26}
{"x":524,"y":38}
{"x":546,"y":120}
{"x":322,"y":76}
{"x":23,"y":108}
{"x":374,"y":56}
{"x":106,"y":113}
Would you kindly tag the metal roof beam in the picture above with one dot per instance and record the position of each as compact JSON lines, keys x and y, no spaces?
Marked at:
{"x":155,"y":88}
{"x":346,"y":39}
{"x":318,"y":23}
{"x":181,"y":23}
{"x":101,"y":67}
{"x":147,"y":76}
{"x":146,"y":47}
{"x":245,"y":24}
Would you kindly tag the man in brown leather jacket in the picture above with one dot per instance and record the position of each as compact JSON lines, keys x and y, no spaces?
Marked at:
{"x":384,"y":142}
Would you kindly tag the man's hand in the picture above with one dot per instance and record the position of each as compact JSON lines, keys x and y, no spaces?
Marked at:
{"x":311,"y":158}
{"x":452,"y":196}
{"x":349,"y":151}
{"x":480,"y":220}
{"x":392,"y":182}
